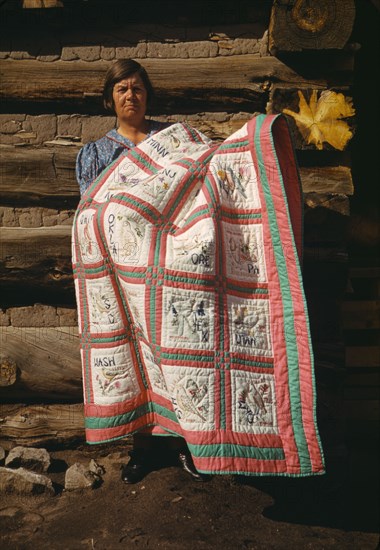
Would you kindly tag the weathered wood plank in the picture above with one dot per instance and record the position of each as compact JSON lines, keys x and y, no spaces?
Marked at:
{"x":36,"y":256}
{"x":362,"y":356}
{"x":42,"y":4}
{"x":50,"y":426}
{"x":327,"y":180}
{"x":46,"y":175}
{"x":183,"y":85}
{"x":361,"y":314}
{"x":38,"y":176}
{"x":48,"y":366}
{"x":306,"y":24}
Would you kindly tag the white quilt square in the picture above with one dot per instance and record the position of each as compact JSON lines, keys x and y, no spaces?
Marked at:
{"x":86,"y":246}
{"x":244,"y":249}
{"x":113,"y":375}
{"x":192,"y":393}
{"x":249,"y":326}
{"x":253,"y":403}
{"x":193,"y":250}
{"x":188,"y":319}
{"x":127,"y":235}
{"x":103,"y":309}
{"x":236,"y":178}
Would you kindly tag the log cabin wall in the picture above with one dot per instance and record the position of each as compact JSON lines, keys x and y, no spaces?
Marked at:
{"x":213,"y":64}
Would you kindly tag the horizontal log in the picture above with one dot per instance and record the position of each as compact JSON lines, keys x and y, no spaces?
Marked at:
{"x":183,"y":85}
{"x":362,"y":393}
{"x":362,"y":356}
{"x":362,"y":378}
{"x":36,"y":256}
{"x":38,"y":176}
{"x":46,"y":362}
{"x":365,"y":272}
{"x":361,"y":314}
{"x":48,"y":426}
{"x":327,"y":180}
{"x":364,"y":410}
{"x":46,"y":175}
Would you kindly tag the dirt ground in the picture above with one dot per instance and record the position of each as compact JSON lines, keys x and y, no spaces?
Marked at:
{"x":169,"y":510}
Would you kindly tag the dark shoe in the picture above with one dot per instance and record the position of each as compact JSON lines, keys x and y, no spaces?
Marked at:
{"x":187,"y":464}
{"x":137,"y":467}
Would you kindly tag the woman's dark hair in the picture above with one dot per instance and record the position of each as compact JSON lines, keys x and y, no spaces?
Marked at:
{"x":124,"y":68}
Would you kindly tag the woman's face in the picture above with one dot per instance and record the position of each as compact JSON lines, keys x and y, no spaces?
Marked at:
{"x":130,"y":98}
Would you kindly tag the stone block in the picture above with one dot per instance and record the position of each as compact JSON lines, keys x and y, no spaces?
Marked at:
{"x":48,"y":58}
{"x":49,"y":217}
{"x":30,"y":218}
{"x":85,"y":53}
{"x":203,"y":48}
{"x":10,"y":124}
{"x":43,"y":126}
{"x":21,"y":55}
{"x":69,"y":53}
{"x":5,"y":320}
{"x":107,"y":53}
{"x":170,"y":50}
{"x":9,"y":217}
{"x":239,"y":46}
{"x":69,"y":125}
{"x":11,"y":139}
{"x":68,"y":317}
{"x":264,"y":45}
{"x":34,"y":316}
{"x":139,"y":51}
{"x":66,"y":217}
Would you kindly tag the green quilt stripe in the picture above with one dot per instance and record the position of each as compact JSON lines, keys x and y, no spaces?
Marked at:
{"x":249,"y":363}
{"x":183,"y":191}
{"x":142,"y":160}
{"x":234,"y":145}
{"x":92,"y":270}
{"x":139,"y":205}
{"x":132,"y":274}
{"x":152,"y":312}
{"x":288,"y":310}
{"x":237,"y":216}
{"x":232,"y":286}
{"x":107,"y":340}
{"x":222,"y":400}
{"x":228,"y":450}
{"x":189,"y":280}
{"x":187,"y":357}
{"x":102,"y":423}
{"x":197,"y":215}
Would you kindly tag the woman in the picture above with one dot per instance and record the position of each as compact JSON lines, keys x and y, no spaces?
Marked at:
{"x":127,"y":93}
{"x":191,"y":310}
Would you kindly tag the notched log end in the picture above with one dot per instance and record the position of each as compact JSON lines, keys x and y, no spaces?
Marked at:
{"x":8,"y":371}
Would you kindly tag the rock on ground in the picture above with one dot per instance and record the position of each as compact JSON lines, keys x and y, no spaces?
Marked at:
{"x":37,"y":460}
{"x":23,"y":482}
{"x":79,"y":476}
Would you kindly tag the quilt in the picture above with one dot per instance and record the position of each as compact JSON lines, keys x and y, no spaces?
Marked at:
{"x":192,"y":315}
